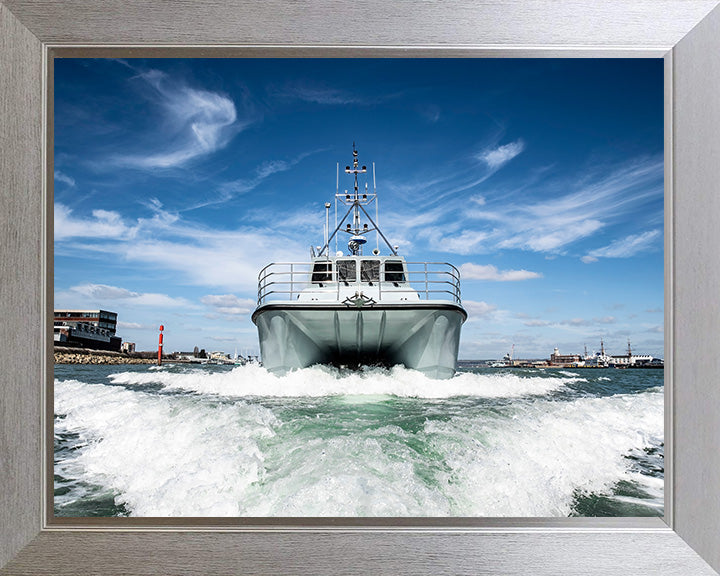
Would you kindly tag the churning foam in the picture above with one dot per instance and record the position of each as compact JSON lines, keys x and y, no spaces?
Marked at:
{"x":165,"y":456}
{"x":254,"y":380}
{"x":537,"y":461}
{"x":190,"y":455}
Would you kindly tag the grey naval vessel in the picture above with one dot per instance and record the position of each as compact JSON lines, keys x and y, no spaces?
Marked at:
{"x":352,"y":309}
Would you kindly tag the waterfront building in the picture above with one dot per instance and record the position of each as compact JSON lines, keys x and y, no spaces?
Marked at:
{"x":98,"y":318}
{"x":94,"y":329}
{"x":630,"y":359}
{"x":557,"y":359}
{"x":627,"y":360}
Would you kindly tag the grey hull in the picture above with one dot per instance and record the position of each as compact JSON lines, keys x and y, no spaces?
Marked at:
{"x":424,"y":338}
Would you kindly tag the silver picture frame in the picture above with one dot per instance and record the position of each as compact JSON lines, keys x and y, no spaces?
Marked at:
{"x":686,"y":33}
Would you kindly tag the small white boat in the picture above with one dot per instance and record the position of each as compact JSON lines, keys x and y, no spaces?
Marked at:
{"x":352,"y":309}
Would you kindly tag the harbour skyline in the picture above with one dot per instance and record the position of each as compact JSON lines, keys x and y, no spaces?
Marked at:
{"x":176,"y":181}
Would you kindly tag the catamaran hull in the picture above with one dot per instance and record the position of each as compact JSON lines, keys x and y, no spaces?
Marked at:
{"x":422,"y":338}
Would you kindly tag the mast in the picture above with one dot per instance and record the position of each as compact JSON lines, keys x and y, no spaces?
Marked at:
{"x":356,"y":197}
{"x":327,"y":221}
{"x":356,"y":202}
{"x":377,"y":211}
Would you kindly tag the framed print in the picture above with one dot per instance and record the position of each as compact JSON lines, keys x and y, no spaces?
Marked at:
{"x":500,"y":209}
{"x":683,"y":33}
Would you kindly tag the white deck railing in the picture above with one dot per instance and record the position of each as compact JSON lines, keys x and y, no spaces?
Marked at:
{"x":285,"y":281}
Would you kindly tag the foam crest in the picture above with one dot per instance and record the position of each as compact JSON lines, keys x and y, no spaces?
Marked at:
{"x":164,"y":456}
{"x":538,"y":461}
{"x":316,"y":381}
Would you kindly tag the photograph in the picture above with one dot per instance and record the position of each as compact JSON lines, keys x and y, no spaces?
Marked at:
{"x":358,"y":287}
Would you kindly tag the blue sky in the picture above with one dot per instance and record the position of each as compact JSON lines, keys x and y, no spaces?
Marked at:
{"x":177,"y":180}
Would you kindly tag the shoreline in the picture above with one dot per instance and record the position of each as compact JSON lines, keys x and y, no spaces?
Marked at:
{"x":87,"y":356}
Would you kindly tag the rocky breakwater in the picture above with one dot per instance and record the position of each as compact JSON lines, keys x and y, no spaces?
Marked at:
{"x":81,"y":356}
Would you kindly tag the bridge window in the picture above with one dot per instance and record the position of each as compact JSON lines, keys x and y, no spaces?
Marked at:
{"x":346,"y":270}
{"x":322,"y":272}
{"x":394,"y":271}
{"x":369,"y":270}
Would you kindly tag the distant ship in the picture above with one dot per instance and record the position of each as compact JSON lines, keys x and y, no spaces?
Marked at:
{"x":351,"y":309}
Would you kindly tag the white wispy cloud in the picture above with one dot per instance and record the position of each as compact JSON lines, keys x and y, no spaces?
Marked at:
{"x":229,"y":304}
{"x":272,"y":167}
{"x":477,"y":310}
{"x":102,"y":224}
{"x":550,"y":238}
{"x":64,"y":178}
{"x":196,"y":123}
{"x":575,"y":322}
{"x":625,"y":247}
{"x":606,"y":190}
{"x":109,"y":224}
{"x":230,"y":259}
{"x":551,"y":225}
{"x":465,"y":242}
{"x":262,"y":172}
{"x":570,"y":322}
{"x":450,"y":186}
{"x":134,"y":326}
{"x":100,"y":293}
{"x":497,"y":157}
{"x":469,"y":271}
{"x":201,"y":255}
{"x":233,"y":188}
{"x":223,"y":338}
{"x":587,"y":321}
{"x":565,"y":213}
{"x":542,"y":214}
{"x":537,"y":323}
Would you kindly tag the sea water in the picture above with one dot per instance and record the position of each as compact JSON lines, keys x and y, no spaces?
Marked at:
{"x":189,"y":440}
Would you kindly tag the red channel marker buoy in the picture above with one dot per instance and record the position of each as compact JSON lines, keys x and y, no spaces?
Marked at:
{"x":160,"y":345}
